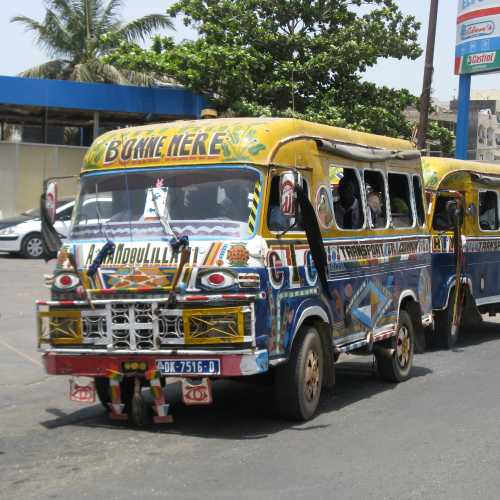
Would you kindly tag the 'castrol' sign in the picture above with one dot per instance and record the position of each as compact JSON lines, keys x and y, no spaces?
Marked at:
{"x":478,"y":36}
{"x":486,"y":58}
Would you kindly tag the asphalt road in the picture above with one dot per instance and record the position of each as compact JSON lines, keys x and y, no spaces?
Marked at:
{"x":434,"y":436}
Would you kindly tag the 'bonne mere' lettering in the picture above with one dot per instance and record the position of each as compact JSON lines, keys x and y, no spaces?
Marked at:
{"x":156,"y":148}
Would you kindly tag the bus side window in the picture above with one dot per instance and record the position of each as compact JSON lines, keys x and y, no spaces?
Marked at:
{"x":399,"y":196}
{"x":488,"y":210}
{"x":419,"y":202}
{"x":348,"y":204}
{"x":376,"y":199}
{"x":276,"y":221}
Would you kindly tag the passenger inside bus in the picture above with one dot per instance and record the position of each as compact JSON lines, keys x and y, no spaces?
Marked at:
{"x":375,"y":198}
{"x":488,"y":210}
{"x":347,"y":208}
{"x":399,"y":198}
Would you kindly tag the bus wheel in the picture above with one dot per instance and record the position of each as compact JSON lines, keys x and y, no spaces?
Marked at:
{"x":102,"y":390}
{"x":397,"y":368}
{"x":298,"y":382}
{"x":446,"y":335}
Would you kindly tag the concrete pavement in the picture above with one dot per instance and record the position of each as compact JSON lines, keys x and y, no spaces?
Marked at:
{"x":435,"y":436}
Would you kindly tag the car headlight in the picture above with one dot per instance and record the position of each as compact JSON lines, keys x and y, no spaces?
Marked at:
{"x":8,"y":230}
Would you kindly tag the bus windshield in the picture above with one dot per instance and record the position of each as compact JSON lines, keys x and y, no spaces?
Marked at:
{"x":197,"y":202}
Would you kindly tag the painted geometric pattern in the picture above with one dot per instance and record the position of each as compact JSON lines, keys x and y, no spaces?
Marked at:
{"x":202,"y":327}
{"x":60,"y":327}
{"x":139,"y":278}
{"x":369,"y":303}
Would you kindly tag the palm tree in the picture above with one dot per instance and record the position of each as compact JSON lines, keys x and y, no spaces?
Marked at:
{"x":77,"y":33}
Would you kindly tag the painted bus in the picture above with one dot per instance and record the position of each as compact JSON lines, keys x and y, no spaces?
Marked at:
{"x":465,"y":245}
{"x":231,"y":248}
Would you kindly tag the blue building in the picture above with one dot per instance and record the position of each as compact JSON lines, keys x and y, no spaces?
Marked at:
{"x":46,"y":125}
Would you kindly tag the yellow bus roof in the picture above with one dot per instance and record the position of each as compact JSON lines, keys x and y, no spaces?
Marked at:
{"x":436,"y":170}
{"x":225,"y":140}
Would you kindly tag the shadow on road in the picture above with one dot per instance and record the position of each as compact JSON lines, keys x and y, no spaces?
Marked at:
{"x":480,"y":333}
{"x":241,"y":410}
{"x":12,"y":256}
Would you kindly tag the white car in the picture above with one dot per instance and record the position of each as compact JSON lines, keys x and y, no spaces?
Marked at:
{"x":23,"y":233}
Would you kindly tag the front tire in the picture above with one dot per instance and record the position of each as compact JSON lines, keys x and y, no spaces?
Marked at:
{"x":298,"y":382}
{"x":447,"y":336}
{"x":32,"y":247}
{"x":397,"y":367}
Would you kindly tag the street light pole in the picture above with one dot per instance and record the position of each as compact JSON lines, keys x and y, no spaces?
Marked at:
{"x":425,"y":98}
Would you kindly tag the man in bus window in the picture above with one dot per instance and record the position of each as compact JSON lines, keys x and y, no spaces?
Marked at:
{"x":347,"y":210}
{"x":375,"y":206}
{"x":488,"y":212}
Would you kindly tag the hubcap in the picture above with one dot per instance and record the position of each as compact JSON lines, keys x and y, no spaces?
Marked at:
{"x":311,"y":386}
{"x":403,"y":346}
{"x":34,"y":247}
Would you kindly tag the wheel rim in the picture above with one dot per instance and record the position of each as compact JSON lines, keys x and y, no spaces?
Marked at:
{"x":34,"y":247}
{"x":403,"y":346}
{"x":312,"y":376}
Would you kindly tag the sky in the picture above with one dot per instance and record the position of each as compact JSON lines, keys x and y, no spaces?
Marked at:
{"x":19,"y":51}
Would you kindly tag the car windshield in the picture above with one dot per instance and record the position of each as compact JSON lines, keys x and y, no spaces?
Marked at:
{"x":35,"y":212}
{"x":197,"y":202}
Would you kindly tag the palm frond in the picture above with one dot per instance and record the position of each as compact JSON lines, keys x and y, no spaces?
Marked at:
{"x":61,"y":42}
{"x":43,"y":35}
{"x":82,"y":73}
{"x":63,"y":7}
{"x":140,"y":28}
{"x":52,"y":69}
{"x":111,"y":74}
{"x":110,"y":15}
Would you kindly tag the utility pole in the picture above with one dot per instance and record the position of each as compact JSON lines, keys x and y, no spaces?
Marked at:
{"x":425,"y":98}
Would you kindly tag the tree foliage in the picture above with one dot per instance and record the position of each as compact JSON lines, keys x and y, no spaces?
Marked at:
{"x":440,"y":139}
{"x":77,"y":33}
{"x":293,"y":57}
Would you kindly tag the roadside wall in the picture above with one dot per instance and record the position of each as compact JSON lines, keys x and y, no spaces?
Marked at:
{"x":24,"y":166}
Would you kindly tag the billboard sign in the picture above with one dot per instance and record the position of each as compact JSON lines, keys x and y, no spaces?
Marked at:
{"x":478,"y":37}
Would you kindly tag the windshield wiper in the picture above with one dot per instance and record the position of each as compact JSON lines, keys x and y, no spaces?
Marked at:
{"x":163,"y":220}
{"x":177,"y":242}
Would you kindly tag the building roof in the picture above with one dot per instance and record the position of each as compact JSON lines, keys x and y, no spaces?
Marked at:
{"x":23,"y":100}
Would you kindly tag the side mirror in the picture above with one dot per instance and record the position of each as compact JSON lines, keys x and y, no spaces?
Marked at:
{"x":454,"y":212}
{"x":51,"y":201}
{"x":288,"y":195}
{"x":51,"y":241}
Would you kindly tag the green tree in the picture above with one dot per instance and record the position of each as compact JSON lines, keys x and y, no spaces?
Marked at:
{"x":440,"y":138}
{"x":77,"y":33}
{"x":299,"y":58}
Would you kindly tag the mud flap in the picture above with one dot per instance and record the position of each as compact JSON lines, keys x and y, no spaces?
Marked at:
{"x":199,"y":393}
{"x":80,"y":392}
{"x":161,"y":407}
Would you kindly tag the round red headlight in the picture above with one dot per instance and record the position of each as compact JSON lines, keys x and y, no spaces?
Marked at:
{"x":216,"y":279}
{"x":66,"y":281}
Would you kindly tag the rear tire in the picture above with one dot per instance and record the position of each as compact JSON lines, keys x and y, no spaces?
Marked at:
{"x":298,"y":382}
{"x":104,"y":395}
{"x":102,"y":390}
{"x":397,"y":368}
{"x":32,"y":247}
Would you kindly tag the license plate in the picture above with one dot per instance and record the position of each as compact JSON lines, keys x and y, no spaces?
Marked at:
{"x":188,"y":366}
